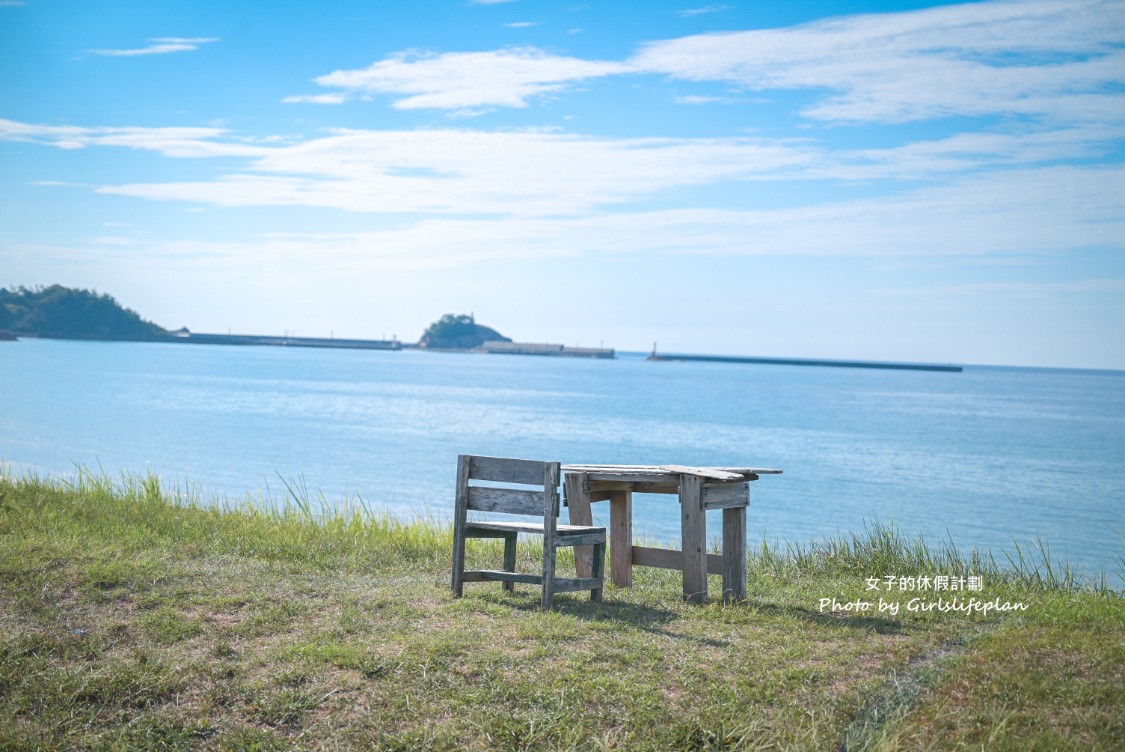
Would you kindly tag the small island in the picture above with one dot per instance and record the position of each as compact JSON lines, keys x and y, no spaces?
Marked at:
{"x":458,"y":332}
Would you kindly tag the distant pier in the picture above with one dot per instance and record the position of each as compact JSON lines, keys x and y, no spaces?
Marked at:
{"x":286,"y":341}
{"x":559,"y":351}
{"x":804,"y":362}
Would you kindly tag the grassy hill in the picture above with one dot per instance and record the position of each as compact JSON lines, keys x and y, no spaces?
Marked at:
{"x":133,"y":618}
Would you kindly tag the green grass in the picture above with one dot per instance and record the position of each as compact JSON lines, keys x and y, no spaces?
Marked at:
{"x":137,"y":617}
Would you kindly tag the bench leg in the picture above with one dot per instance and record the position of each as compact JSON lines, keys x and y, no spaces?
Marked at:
{"x":549,"y":553}
{"x":510,"y":559}
{"x":598,"y":572}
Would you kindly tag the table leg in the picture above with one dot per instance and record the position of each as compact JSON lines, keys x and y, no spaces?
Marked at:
{"x":574,"y":485}
{"x":621,"y":538}
{"x":734,"y":554}
{"x":693,"y":536}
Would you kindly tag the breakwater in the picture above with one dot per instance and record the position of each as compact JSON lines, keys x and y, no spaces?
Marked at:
{"x":805,"y":362}
{"x":286,"y":341}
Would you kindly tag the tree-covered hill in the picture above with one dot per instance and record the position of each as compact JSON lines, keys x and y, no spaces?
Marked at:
{"x":65,"y":313}
{"x":453,"y":332}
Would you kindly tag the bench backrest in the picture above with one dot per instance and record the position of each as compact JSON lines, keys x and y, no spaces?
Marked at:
{"x":542,"y":501}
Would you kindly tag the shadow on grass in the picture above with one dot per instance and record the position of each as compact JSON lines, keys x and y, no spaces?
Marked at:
{"x":865,"y":623}
{"x":645,"y":618}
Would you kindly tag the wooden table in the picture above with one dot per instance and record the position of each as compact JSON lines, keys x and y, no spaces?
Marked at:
{"x":699,"y":489}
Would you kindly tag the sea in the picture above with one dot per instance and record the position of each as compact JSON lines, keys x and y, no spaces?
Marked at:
{"x":991,"y":457}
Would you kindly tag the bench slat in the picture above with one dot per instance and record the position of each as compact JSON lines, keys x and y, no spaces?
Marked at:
{"x":506,"y":500}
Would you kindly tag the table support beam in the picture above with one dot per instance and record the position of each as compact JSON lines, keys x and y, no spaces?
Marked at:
{"x":693,"y":534}
{"x":621,"y":538}
{"x":580,"y":514}
{"x":734,"y":554}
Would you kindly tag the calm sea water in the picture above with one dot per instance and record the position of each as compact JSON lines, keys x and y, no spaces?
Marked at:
{"x":984,"y":458}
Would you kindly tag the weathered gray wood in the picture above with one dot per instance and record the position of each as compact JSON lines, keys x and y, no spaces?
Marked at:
{"x":610,"y":468}
{"x":550,"y":512}
{"x":598,"y":575}
{"x":574,"y":585}
{"x":459,"y":514}
{"x":499,"y":527}
{"x":473,"y":530}
{"x":668,"y":558}
{"x":505,"y":470}
{"x":621,"y":533}
{"x":597,"y":535}
{"x":544,"y":505}
{"x":510,"y":559}
{"x":506,"y":500}
{"x":496,"y":575}
{"x":703,"y":472}
{"x":560,"y":585}
{"x":580,"y":514}
{"x":726,"y":495}
{"x":750,"y":470}
{"x":631,"y":476}
{"x":693,"y":536}
{"x":599,"y":490}
{"x":734,"y":554}
{"x":664,"y":469}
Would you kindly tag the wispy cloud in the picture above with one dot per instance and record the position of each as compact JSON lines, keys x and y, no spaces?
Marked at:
{"x":171,"y":141}
{"x":1047,"y":60}
{"x":161,"y":46}
{"x":1017,"y":214}
{"x":454,"y":171}
{"x":521,"y":24}
{"x":335,"y":98}
{"x":461,"y":80}
{"x":688,"y":13}
{"x":694,"y":99}
{"x":470,"y":172}
{"x":11,"y":3}
{"x":1093,"y":286}
{"x":1057,"y":59}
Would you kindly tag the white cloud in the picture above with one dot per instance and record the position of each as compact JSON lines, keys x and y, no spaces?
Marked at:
{"x":521,"y":24}
{"x":12,"y":3}
{"x":525,"y":173}
{"x":161,"y":46}
{"x":172,"y":142}
{"x":692,"y":99}
{"x":1048,"y":58}
{"x":535,"y":173}
{"x":688,"y":13}
{"x":1041,"y":211}
{"x":316,"y":99}
{"x":1094,"y":286}
{"x":462,"y":80}
{"x":1057,"y":60}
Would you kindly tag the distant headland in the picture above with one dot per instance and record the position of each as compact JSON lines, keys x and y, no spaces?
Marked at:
{"x":58,"y":312}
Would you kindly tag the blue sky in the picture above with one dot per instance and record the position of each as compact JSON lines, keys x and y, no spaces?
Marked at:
{"x":904,"y":181}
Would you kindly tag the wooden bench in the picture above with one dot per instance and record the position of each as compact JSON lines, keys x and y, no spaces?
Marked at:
{"x":541,"y":502}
